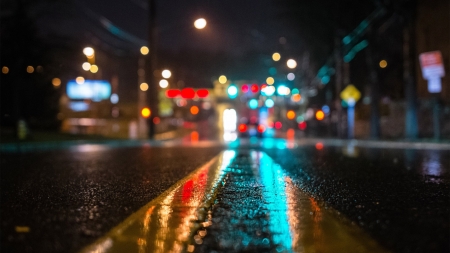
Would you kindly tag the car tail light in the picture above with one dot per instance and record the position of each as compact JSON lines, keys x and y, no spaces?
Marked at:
{"x":242,"y":128}
{"x":261,"y":128}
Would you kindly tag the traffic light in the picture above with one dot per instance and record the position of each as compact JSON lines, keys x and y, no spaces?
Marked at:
{"x":232,"y":91}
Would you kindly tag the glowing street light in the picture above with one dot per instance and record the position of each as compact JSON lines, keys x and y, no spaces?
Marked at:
{"x":276,"y":56}
{"x":291,"y":63}
{"x":200,"y":23}
{"x":86,"y":66}
{"x":222,"y":79}
{"x":163,"y":83}
{"x":93,"y":68}
{"x":166,"y":73}
{"x":88,"y":51}
{"x":145,"y":50}
{"x":79,"y":80}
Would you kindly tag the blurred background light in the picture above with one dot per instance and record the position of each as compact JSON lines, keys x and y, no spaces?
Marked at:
{"x":320,"y":115}
{"x":94,"y":68}
{"x":291,"y":76}
{"x":232,"y":91}
{"x":200,"y":23}
{"x":145,"y":112}
{"x":163,"y":83}
{"x":276,"y":56}
{"x":222,"y":79}
{"x":291,"y":63}
{"x":253,"y":103}
{"x":114,"y":98}
{"x":290,"y":114}
{"x":229,"y":120}
{"x":166,"y":73}
{"x":269,"y":103}
{"x":30,"y":69}
{"x":56,"y":82}
{"x":326,"y":109}
{"x":194,"y":110}
{"x":145,"y":50}
{"x":5,"y":70}
{"x":143,"y":86}
{"x":383,"y":64}
{"x":88,"y":51}
{"x":79,"y":80}
{"x":270,"y":80}
{"x":86,"y":66}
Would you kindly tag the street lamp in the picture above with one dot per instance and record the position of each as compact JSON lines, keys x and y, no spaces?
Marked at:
{"x":88,"y":51}
{"x":166,"y":73}
{"x":200,"y":23}
{"x":291,"y":63}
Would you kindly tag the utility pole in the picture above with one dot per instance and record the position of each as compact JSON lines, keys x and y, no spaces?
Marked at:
{"x":374,"y":91}
{"x":153,"y":87}
{"x":411,"y":124}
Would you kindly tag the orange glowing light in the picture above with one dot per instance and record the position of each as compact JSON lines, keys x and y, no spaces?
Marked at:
{"x":320,"y":115}
{"x":242,"y":128}
{"x":194,"y":110}
{"x":194,"y":136}
{"x":145,"y":112}
{"x":319,"y":146}
{"x":296,"y":97}
{"x":290,"y":114}
{"x":290,"y":133}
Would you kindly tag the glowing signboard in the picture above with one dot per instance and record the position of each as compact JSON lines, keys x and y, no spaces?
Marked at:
{"x":95,"y":90}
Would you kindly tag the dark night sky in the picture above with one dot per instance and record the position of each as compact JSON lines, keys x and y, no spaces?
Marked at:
{"x":232,"y":26}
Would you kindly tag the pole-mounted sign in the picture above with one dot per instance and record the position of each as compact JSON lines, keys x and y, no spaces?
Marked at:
{"x":350,"y":95}
{"x":432,"y":70}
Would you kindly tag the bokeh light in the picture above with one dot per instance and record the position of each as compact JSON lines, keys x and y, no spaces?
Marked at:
{"x":320,"y":115}
{"x":114,"y":98}
{"x":222,"y":79}
{"x":56,"y":82}
{"x":200,"y":23}
{"x":194,"y":110}
{"x":291,"y":63}
{"x":296,"y":98}
{"x":30,"y":69}
{"x":79,"y":80}
{"x":163,"y":83}
{"x":143,"y":86}
{"x":290,"y":114}
{"x":269,"y":103}
{"x":270,"y":80}
{"x":276,"y":56}
{"x":86,"y":66}
{"x":94,"y":68}
{"x":291,"y":76}
{"x":88,"y":51}
{"x":166,"y":73}
{"x":145,"y":112}
{"x":383,"y":64}
{"x":5,"y":70}
{"x":253,"y":103}
{"x":145,"y":50}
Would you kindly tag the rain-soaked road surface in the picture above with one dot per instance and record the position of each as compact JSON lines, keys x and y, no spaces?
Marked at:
{"x":275,"y":196}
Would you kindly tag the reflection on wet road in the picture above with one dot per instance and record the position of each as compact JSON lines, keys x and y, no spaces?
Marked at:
{"x":238,"y":202}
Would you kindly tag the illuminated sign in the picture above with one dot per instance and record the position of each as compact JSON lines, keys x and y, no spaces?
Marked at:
{"x":95,"y":90}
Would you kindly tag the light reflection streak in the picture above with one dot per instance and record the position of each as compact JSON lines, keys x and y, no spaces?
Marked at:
{"x":271,"y":176}
{"x":168,"y":226}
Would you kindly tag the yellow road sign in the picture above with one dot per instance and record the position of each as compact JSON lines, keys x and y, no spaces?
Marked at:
{"x":350,"y":93}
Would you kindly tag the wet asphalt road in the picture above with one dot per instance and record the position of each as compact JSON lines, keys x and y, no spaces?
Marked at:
{"x":68,"y":198}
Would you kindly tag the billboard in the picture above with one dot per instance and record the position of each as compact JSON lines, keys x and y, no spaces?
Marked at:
{"x":96,"y":90}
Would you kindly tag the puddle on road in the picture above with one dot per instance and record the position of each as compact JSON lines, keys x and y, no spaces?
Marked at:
{"x":236,"y":202}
